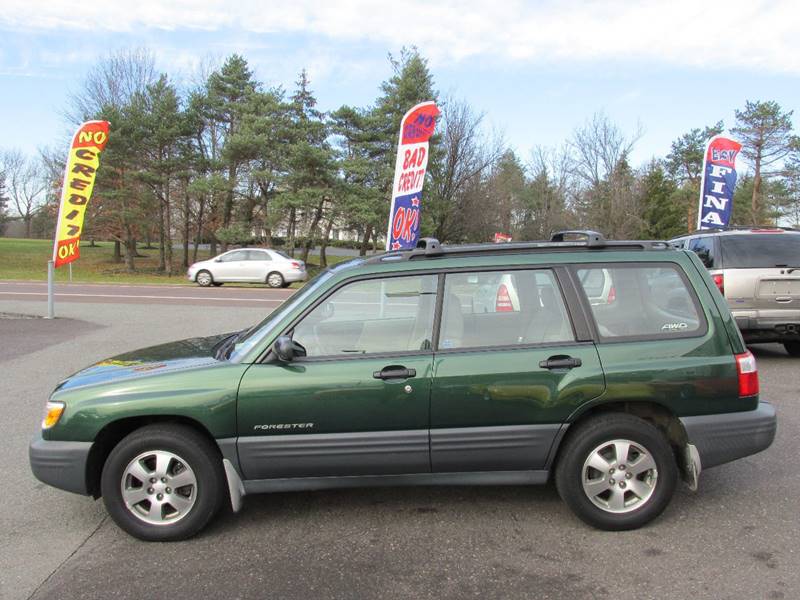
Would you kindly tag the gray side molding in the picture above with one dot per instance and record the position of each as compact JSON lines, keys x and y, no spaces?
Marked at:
{"x":496,"y":448}
{"x":295,"y":484}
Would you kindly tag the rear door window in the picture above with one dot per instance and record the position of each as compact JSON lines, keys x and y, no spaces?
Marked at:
{"x":258,"y":255}
{"x":760,"y":250}
{"x":235,"y":256}
{"x":503,"y":308}
{"x":704,"y":248}
{"x":651,"y":301}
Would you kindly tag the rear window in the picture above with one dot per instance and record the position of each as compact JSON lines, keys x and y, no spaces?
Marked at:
{"x":760,"y":250}
{"x":643,"y":302}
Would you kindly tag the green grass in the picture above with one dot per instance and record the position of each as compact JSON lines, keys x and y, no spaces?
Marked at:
{"x":22,"y":259}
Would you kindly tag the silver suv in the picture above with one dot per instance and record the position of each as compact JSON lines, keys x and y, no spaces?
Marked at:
{"x":758,"y":272}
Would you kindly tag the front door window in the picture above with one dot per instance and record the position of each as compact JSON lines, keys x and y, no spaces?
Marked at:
{"x":375,"y":316}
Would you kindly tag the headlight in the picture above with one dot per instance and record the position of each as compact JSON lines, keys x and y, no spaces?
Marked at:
{"x":52,"y":413}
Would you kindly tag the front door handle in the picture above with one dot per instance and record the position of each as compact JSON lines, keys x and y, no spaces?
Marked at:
{"x":560,"y":361}
{"x":394,"y":372}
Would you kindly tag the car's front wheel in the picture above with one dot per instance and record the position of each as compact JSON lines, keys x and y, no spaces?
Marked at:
{"x":793,"y":348}
{"x":275,"y":280}
{"x":204,"y":278}
{"x":616,"y":472}
{"x":163,"y":482}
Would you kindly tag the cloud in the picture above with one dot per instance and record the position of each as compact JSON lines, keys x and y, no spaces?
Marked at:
{"x":739,"y":33}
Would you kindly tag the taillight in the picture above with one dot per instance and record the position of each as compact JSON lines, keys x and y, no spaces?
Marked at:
{"x":503,"y":301}
{"x":612,"y":294}
{"x":719,"y":281}
{"x":295,"y":265}
{"x":748,"y":374}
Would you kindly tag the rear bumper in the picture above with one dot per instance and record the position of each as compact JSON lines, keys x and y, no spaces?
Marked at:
{"x":292,"y":276}
{"x":60,"y":464}
{"x":772,"y":329}
{"x":722,"y":438}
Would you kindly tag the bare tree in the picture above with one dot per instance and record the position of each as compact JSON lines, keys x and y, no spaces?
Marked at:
{"x":598,"y":146}
{"x":552,"y":189}
{"x":112,"y":82}
{"x":27,"y":187}
{"x":464,"y":152}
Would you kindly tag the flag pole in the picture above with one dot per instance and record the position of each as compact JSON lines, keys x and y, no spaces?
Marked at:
{"x":51,"y":313}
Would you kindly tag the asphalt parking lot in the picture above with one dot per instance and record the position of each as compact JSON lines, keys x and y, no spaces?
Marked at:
{"x":737,"y":537}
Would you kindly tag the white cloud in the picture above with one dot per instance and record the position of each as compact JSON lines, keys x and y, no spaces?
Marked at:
{"x":739,"y":33}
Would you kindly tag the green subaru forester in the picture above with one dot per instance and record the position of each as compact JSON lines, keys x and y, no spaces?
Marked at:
{"x":611,"y":367}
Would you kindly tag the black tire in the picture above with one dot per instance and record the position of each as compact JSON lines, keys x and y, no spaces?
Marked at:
{"x":793,"y":348}
{"x":581,"y":442}
{"x":203,"y":282}
{"x":195,"y":450}
{"x":275,"y":280}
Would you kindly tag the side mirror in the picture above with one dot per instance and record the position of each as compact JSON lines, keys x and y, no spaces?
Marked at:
{"x":218,"y":259}
{"x":284,"y":349}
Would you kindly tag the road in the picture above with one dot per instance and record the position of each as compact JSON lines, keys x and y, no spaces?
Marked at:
{"x":735,"y":538}
{"x":240,"y":295}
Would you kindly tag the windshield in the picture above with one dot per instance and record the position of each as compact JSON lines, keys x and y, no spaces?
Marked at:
{"x":760,"y":250}
{"x":257,"y":333}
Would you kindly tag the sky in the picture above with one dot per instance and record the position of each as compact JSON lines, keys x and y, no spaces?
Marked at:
{"x":537,"y":70}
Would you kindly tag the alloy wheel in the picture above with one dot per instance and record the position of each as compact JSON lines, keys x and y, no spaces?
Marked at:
{"x":619,"y":476}
{"x":159,"y":487}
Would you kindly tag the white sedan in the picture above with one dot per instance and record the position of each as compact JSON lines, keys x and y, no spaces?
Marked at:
{"x":249,"y":265}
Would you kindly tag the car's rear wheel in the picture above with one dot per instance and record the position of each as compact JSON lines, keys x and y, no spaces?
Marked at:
{"x":204,"y":278}
{"x":793,"y":348}
{"x":616,"y":472}
{"x":163,"y":483}
{"x":275,"y":280}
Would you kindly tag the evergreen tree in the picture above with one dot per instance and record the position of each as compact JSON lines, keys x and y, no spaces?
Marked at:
{"x":163,"y":127}
{"x":311,"y":166}
{"x":662,"y":212}
{"x":227,"y":93}
{"x":766,"y":135}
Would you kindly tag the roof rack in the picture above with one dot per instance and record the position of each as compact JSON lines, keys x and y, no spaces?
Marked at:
{"x":559,"y":241}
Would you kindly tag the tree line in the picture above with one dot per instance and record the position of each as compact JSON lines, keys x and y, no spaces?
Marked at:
{"x":231,"y":161}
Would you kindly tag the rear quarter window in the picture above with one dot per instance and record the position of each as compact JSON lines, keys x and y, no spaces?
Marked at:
{"x":642,"y":302}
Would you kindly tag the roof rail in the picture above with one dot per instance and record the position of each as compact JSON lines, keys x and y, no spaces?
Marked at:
{"x":431,"y":248}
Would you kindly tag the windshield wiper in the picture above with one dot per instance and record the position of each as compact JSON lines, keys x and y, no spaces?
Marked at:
{"x":225,"y":346}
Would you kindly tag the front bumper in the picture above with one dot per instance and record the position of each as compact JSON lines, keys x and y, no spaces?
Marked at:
{"x":60,"y":464}
{"x":722,"y":438}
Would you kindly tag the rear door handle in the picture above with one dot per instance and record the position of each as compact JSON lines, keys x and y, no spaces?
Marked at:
{"x":560,"y":362}
{"x":394,"y":372}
